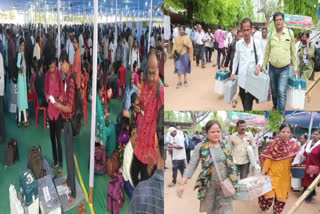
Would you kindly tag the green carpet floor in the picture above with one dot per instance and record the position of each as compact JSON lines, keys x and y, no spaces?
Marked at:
{"x":27,"y":137}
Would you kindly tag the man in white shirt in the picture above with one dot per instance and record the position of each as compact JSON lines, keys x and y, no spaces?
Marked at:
{"x":229,"y":38}
{"x":208,"y":44}
{"x":175,"y":33}
{"x":70,"y":49}
{"x":125,"y":47}
{"x":2,"y":122}
{"x":263,"y":40}
{"x":36,"y":49}
{"x":200,"y":40}
{"x":81,"y":45}
{"x":257,"y":34}
{"x":244,"y":57}
{"x":176,"y":144}
{"x":112,"y":48}
{"x":105,"y":43}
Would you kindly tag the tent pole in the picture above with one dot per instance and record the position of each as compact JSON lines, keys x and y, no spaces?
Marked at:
{"x":116,"y":29}
{"x":59,"y":45}
{"x":150,"y":25}
{"x":94,"y":97}
{"x":46,"y":15}
{"x":310,"y":126}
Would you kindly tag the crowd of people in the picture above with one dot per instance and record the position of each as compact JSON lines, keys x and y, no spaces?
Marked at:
{"x":224,"y":155}
{"x":277,"y":52}
{"x":33,"y":70}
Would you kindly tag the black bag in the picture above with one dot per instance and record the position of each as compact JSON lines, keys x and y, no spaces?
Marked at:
{"x":11,"y":153}
{"x":77,"y":119}
{"x":35,"y":162}
{"x":176,"y":56}
{"x":16,"y":70}
{"x":317,"y":59}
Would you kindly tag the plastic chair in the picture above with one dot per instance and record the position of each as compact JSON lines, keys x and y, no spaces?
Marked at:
{"x":31,"y":96}
{"x":121,"y":80}
{"x":39,"y":108}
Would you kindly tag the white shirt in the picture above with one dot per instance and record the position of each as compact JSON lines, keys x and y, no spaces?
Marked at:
{"x":208,"y":37}
{"x":125,"y":47}
{"x":112,"y":48}
{"x":263,"y":44}
{"x":1,"y":76}
{"x":81,"y":44}
{"x":199,"y":37}
{"x":57,"y":45}
{"x":245,"y":58}
{"x":127,"y":160}
{"x":175,"y":33}
{"x":105,"y":43}
{"x":153,"y":42}
{"x":134,"y":56}
{"x":90,"y":45}
{"x":257,"y":35}
{"x":229,"y":37}
{"x":36,"y":51}
{"x":178,"y":140}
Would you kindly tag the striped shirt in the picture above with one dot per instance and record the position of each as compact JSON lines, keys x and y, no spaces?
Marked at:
{"x":148,"y":195}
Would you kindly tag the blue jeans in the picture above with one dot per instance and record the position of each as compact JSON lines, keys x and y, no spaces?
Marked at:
{"x":279,"y":81}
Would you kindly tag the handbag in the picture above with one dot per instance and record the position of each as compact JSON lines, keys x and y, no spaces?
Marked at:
{"x":226,"y":185}
{"x":176,"y":56}
{"x":313,"y":170}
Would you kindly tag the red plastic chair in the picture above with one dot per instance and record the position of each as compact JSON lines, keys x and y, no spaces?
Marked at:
{"x":121,"y":80}
{"x":31,"y":96}
{"x":85,"y":102}
{"x":39,"y":108}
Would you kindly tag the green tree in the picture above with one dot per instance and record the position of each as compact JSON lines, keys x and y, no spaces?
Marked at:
{"x":197,"y":117}
{"x":225,"y":12}
{"x":275,"y":118}
{"x":170,"y":116}
{"x":180,"y":117}
{"x":215,"y":116}
{"x":268,"y":8}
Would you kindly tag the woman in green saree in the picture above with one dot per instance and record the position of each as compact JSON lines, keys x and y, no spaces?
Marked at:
{"x":105,"y":131}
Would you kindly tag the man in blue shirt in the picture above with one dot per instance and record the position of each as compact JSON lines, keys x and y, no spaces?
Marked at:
{"x":129,"y":91}
{"x":148,"y":195}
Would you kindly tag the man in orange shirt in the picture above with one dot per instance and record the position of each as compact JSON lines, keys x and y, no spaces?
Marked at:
{"x":77,"y":61}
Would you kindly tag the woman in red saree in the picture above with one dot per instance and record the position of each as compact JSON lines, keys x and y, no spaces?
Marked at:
{"x":312,"y":162}
{"x":150,"y":101}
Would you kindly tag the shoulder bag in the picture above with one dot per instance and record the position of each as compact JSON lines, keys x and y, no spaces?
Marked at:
{"x":226,"y":185}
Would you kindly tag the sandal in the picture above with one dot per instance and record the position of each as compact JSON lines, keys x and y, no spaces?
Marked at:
{"x":179,"y":85}
{"x":186,"y":84}
{"x":26,"y":124}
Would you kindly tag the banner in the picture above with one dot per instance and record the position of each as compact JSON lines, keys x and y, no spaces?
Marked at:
{"x":296,"y":21}
{"x":252,"y":120}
